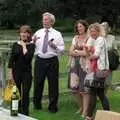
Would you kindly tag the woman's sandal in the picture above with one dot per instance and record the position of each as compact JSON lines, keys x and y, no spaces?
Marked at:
{"x":88,"y":118}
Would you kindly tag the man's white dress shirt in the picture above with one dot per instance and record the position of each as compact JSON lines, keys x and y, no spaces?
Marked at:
{"x":57,"y":40}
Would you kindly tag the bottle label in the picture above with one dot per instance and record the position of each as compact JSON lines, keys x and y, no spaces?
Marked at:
{"x":14,"y":104}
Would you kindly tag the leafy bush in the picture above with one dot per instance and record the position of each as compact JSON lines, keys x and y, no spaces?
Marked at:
{"x":66,"y":25}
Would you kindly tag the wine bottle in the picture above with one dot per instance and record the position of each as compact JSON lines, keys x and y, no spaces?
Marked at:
{"x":14,"y":102}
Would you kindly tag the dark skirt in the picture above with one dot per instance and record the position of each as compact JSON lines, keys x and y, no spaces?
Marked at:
{"x":82,"y":75}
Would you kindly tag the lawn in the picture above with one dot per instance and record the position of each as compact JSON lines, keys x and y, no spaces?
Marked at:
{"x":67,"y":104}
{"x":68,"y":108}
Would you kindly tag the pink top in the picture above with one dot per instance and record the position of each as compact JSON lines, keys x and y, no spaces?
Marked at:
{"x":93,"y":63}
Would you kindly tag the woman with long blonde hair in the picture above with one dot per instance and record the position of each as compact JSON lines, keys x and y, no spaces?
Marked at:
{"x":97,"y":33}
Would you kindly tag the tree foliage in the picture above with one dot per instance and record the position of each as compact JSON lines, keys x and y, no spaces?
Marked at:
{"x":16,"y":12}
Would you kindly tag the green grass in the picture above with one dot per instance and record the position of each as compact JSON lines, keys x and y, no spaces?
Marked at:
{"x":68,"y":107}
{"x":114,"y":99}
{"x":116,"y":76}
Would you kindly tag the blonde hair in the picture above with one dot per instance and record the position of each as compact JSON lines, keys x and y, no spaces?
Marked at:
{"x":52,"y":17}
{"x":98,"y":28}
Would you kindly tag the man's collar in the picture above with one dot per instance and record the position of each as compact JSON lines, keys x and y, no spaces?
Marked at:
{"x":50,"y":29}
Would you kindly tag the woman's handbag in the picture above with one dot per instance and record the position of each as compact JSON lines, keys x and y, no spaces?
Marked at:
{"x":8,"y":92}
{"x":101,"y":74}
{"x":100,"y":78}
{"x":95,"y":79}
